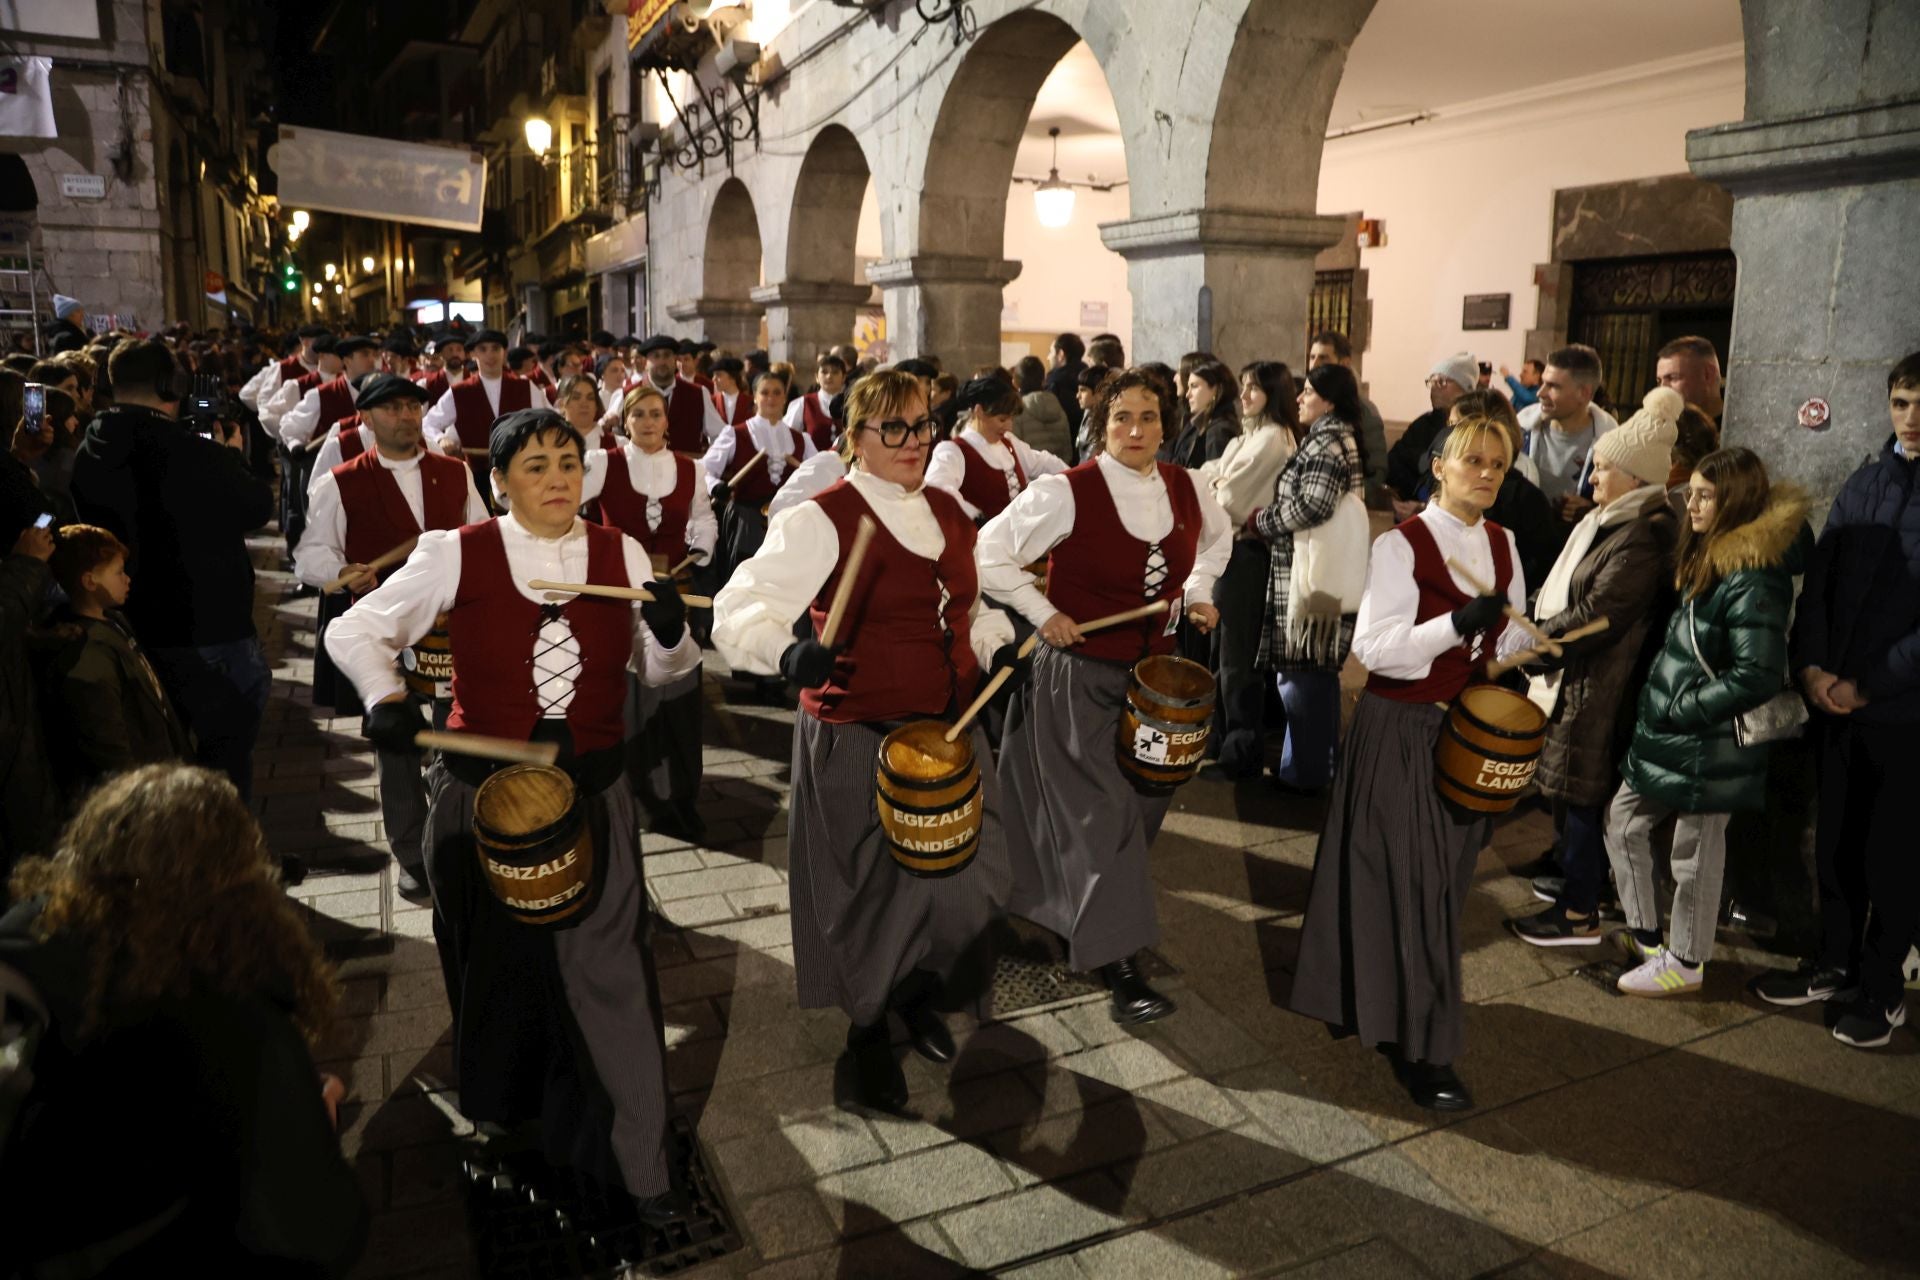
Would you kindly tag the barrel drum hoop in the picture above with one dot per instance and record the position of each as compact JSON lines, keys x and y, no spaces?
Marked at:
{"x":960,"y":801}
{"x":1476,"y":749}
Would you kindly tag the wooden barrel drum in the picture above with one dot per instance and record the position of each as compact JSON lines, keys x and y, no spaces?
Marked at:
{"x":427,"y":667}
{"x":535,"y":846}
{"x":928,"y":793}
{"x":1165,"y":723}
{"x":1489,"y":746}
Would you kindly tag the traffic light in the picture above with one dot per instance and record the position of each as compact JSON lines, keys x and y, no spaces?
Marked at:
{"x":290,"y":278}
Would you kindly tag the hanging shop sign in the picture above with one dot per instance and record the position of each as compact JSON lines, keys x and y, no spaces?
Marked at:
{"x":424,"y":183}
{"x":644,"y":18}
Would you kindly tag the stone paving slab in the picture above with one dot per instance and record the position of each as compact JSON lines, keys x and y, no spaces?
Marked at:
{"x":1706,"y":1136}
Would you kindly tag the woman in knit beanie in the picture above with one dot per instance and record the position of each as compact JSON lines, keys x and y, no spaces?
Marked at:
{"x":1617,"y":565}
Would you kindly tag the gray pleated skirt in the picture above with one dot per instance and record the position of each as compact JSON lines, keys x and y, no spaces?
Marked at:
{"x":1080,"y":852}
{"x":664,"y":757}
{"x":1380,"y":948}
{"x":863,"y":928}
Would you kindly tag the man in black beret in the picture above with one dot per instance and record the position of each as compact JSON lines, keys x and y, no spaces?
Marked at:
{"x":324,"y":403}
{"x":693,"y":421}
{"x":398,"y":354}
{"x":260,"y":388}
{"x":468,"y":409}
{"x":447,"y":353}
{"x":539,"y":666}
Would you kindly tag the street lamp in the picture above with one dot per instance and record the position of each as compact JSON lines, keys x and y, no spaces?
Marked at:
{"x":367,"y":264}
{"x":1053,"y":199}
{"x":300,"y":219}
{"x":333,"y":270}
{"x":316,"y":286}
{"x":539,"y":136}
{"x":339,"y":288}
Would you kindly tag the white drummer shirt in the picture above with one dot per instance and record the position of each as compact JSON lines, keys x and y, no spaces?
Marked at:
{"x":329,"y":455}
{"x":438,"y":423}
{"x":754,"y":613}
{"x":299,"y":420}
{"x":1041,"y":518}
{"x":322,"y":550}
{"x":761,"y":434}
{"x":1386,"y":638}
{"x":816,"y":475}
{"x":653,"y":476}
{"x":947,"y":469}
{"x":366,"y":641}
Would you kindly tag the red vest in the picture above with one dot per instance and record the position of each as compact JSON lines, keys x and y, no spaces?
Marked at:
{"x":492,"y":629}
{"x":687,"y":417}
{"x":308,"y":381}
{"x":742,"y":409}
{"x":291,"y":368}
{"x":625,"y":508}
{"x":906,"y":657}
{"x":757,"y":486}
{"x":985,"y":485}
{"x":1100,"y":568}
{"x":473,"y":416}
{"x":378,"y":518}
{"x":336,"y":402}
{"x":820,"y":425}
{"x":1461,"y":665}
{"x":435,"y":382}
{"x":352,"y":443}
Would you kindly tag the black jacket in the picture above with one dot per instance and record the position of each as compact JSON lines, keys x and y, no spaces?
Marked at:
{"x":1064,"y":382}
{"x":183,"y":505}
{"x":106,"y":708}
{"x":1859,"y":613}
{"x":195,"y":1125}
{"x":29,"y":808}
{"x":1404,"y":474}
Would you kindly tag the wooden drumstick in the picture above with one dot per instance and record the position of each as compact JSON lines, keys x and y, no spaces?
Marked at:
{"x":1519,"y":619}
{"x":612,"y":592}
{"x":1512,"y":660}
{"x":384,"y":561}
{"x":736,"y":477}
{"x":1001,"y":676}
{"x":510,"y":750}
{"x":675,"y":571}
{"x":862,"y":536}
{"x":473,"y":452}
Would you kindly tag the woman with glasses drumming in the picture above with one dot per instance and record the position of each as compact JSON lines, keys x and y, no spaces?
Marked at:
{"x":1117,"y":531}
{"x":912,"y":644}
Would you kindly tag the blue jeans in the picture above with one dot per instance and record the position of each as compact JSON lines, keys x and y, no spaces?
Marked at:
{"x":1582,"y":851}
{"x":1312,"y":700}
{"x":220,"y":691}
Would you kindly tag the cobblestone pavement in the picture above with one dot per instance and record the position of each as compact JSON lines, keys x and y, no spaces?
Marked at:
{"x":1706,"y":1136}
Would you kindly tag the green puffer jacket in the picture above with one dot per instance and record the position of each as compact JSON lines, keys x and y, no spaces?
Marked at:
{"x":1684,"y":755}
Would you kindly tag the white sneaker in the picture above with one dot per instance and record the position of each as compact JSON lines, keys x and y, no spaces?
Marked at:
{"x":1662,"y":974}
{"x":1635,"y":949}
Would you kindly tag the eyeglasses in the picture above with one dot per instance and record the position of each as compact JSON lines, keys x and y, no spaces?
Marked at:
{"x":894,"y":431}
{"x":1699,"y":498}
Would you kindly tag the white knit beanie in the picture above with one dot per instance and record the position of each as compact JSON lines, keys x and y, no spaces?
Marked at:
{"x":1643,"y":444}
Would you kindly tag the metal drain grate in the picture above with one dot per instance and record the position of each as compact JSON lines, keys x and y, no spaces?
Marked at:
{"x":530,"y":1221}
{"x":1022,"y":980}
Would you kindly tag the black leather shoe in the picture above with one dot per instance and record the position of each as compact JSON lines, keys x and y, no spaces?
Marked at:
{"x":927,"y":1033}
{"x":1134,"y":1002}
{"x":411,"y":887}
{"x":664,"y":1209}
{"x":1435,"y":1086}
{"x":867,"y":1075}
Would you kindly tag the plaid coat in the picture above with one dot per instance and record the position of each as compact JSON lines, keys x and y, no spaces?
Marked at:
{"x":1326,"y":468}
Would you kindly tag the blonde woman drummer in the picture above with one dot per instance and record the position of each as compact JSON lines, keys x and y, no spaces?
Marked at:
{"x":659,"y":499}
{"x":1380,"y":948}
{"x":532,"y":666}
{"x":867,"y":936}
{"x":1117,"y":531}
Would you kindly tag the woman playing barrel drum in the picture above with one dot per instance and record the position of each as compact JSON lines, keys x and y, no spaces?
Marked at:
{"x":1117,"y":531}
{"x":870,"y":935}
{"x":541,"y":959}
{"x":1380,"y":949}
{"x":659,"y":499}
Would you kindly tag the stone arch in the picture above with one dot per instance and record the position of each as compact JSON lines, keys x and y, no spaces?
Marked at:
{"x":813,"y":307}
{"x":18,"y":194}
{"x":730,"y":271}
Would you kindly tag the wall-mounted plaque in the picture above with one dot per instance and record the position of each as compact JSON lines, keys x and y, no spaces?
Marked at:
{"x":1485,"y":311}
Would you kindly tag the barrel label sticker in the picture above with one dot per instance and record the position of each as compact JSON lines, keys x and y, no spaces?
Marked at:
{"x":506,"y":871}
{"x":936,"y":819}
{"x":1149,"y":745}
{"x":542,"y":904}
{"x":1502,"y":775}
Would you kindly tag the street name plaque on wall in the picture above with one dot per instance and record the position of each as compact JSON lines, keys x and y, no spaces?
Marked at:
{"x":1485,"y":311}
{"x":83,"y":186}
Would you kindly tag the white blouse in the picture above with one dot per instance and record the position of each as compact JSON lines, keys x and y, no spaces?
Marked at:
{"x":1042,"y":517}
{"x":653,"y":476}
{"x":366,"y":641}
{"x":761,"y":434}
{"x":816,"y":475}
{"x":754,"y":613}
{"x":438,"y":424}
{"x":947,"y":468}
{"x":1386,"y":638}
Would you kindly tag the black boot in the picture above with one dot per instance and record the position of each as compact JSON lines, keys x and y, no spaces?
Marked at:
{"x":1134,"y":1001}
{"x":1435,"y":1086}
{"x":927,"y":1032}
{"x":867,"y":1075}
{"x":663,"y":1210}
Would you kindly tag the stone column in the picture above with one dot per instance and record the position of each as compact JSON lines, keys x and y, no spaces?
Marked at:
{"x":1825,"y":175}
{"x":946,"y":305}
{"x":1231,"y":282}
{"x":806,"y":317}
{"x":734,"y":323}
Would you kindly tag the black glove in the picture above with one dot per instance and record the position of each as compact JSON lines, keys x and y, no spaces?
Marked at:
{"x":1478,"y":614}
{"x":1007,"y":657}
{"x":719,"y":494}
{"x":808,"y":663}
{"x":665,"y":614}
{"x":391,"y":726}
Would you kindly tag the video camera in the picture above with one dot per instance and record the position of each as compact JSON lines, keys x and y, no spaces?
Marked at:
{"x":208,"y":406}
